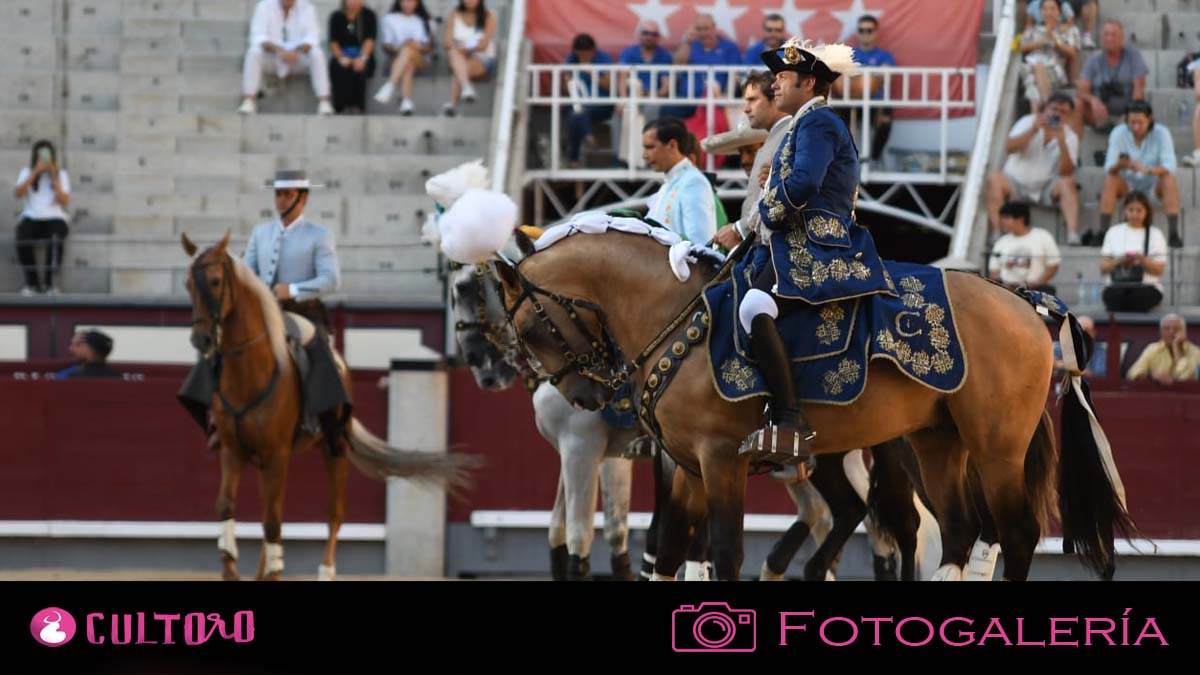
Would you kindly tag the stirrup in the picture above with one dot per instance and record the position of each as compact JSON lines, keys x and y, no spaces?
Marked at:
{"x":779,"y":444}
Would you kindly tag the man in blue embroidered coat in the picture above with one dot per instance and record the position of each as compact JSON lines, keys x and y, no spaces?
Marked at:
{"x":818,"y":252}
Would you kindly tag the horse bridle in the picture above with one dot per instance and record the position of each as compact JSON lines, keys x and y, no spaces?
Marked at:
{"x":215,"y":308}
{"x":494,"y":333}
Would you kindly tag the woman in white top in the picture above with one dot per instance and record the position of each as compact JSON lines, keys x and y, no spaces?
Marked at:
{"x":1050,"y":50}
{"x":1129,"y":247}
{"x":46,"y":190}
{"x":471,"y":48}
{"x":407,"y":39}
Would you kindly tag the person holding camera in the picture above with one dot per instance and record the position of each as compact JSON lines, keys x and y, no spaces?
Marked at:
{"x":1141,"y":158}
{"x":46,"y":190}
{"x":1134,"y":256}
{"x":1116,"y":75}
{"x":1040,"y":167}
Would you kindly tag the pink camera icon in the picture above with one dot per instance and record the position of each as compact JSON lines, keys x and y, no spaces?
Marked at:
{"x":712,"y":627}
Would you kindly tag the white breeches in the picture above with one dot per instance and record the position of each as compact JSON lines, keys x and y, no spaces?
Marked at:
{"x":756,"y":302}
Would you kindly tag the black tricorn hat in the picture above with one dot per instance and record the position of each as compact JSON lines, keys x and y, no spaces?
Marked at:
{"x":824,"y":62}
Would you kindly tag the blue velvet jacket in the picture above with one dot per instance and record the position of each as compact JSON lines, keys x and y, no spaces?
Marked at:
{"x":820,"y":252}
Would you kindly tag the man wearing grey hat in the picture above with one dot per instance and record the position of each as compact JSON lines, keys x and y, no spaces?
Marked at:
{"x":297,"y":259}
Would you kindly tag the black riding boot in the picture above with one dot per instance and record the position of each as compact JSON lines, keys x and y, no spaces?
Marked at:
{"x":786,"y":439}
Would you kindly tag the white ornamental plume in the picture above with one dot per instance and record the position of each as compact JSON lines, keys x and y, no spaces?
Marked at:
{"x":447,"y":187}
{"x":837,"y":56}
{"x":478,"y":225}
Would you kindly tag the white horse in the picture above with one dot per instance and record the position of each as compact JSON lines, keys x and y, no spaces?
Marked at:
{"x":590,"y":450}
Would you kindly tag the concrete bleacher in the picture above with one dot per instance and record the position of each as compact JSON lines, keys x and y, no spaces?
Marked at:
{"x":140,"y":98}
{"x":1163,"y":31}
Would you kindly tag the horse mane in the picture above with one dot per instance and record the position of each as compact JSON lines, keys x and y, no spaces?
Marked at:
{"x":596,"y":223}
{"x":272,"y":314}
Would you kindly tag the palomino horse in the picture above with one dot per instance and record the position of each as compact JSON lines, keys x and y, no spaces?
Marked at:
{"x":237,"y":322}
{"x":580,"y":305}
{"x":838,"y":492}
{"x":586,"y":445}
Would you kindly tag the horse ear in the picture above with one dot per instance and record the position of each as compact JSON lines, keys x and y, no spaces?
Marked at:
{"x":223,"y":245}
{"x":188,"y":247}
{"x":524,"y":243}
{"x":508,"y":274}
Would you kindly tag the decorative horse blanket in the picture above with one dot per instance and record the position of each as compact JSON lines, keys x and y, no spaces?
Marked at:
{"x":832,"y":344}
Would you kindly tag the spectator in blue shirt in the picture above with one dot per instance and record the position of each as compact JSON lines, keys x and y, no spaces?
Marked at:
{"x":583,"y":117}
{"x":1141,"y":158}
{"x":869,"y":54}
{"x":648,"y":51}
{"x":703,"y":46}
{"x":90,"y":350}
{"x":774,"y":35}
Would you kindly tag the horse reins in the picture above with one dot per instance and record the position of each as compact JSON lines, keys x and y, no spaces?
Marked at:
{"x":214,"y":307}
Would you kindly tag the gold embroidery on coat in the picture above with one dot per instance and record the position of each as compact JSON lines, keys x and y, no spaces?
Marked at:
{"x":846,"y":374}
{"x":829,"y":331}
{"x":738,"y":374}
{"x":920,"y":362}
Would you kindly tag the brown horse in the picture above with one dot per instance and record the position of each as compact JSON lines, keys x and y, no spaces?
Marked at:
{"x":258,"y":410}
{"x":584,"y":303}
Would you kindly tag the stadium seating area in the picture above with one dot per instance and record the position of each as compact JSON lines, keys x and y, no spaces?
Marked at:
{"x":140,"y":98}
{"x":1164,"y":31}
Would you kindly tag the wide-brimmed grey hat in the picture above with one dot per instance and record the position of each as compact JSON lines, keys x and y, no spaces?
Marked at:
{"x":290,"y":180}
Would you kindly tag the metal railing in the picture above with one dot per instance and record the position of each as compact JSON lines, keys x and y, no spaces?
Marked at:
{"x":559,"y":87}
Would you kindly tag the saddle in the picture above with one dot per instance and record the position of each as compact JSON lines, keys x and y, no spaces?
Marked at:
{"x":319,"y":370}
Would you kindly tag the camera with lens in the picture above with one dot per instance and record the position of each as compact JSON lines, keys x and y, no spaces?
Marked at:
{"x":713,"y":627}
{"x":1110,"y":90}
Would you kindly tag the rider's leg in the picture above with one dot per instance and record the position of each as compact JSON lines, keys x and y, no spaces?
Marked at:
{"x":757,"y":314}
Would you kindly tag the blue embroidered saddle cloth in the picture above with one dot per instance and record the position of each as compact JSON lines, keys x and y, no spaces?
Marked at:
{"x":831,"y":344}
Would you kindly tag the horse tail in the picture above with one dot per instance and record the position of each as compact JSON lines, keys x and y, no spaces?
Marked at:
{"x":1041,"y":473}
{"x":1091,"y":497}
{"x":890,"y":498}
{"x":375,"y":458}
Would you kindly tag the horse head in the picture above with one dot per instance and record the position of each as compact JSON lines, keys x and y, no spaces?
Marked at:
{"x":564,"y":337}
{"x":481,"y":326}
{"x":210,"y":285}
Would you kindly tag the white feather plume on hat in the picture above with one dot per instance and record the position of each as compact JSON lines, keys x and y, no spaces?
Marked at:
{"x":447,"y":187}
{"x":838,"y":57}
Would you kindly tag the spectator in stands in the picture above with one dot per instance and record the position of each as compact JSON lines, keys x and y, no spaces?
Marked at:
{"x":1098,"y":365}
{"x":471,"y":48}
{"x":89,"y":349}
{"x":1049,"y":48}
{"x":46,"y":190}
{"x":407,"y":38}
{"x":1037,"y":170}
{"x":1141,"y":158}
{"x":703,"y":46}
{"x":1025,"y":256}
{"x":869,"y":53}
{"x":583,"y":117}
{"x":1085,"y":9}
{"x":763,"y":116}
{"x":353,"y":31}
{"x":648,"y":51}
{"x":1134,"y":256}
{"x":774,"y":35}
{"x":285,"y":38}
{"x":1172,"y":359}
{"x":684,"y":203}
{"x":1194,"y":158}
{"x":1111,"y":79}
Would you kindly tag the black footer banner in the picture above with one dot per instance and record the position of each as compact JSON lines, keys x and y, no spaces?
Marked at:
{"x":574,"y":628}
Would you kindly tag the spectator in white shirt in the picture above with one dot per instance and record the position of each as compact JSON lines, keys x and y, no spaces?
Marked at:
{"x":285,"y":38}
{"x":1025,"y":256}
{"x":1134,"y":256}
{"x":406,"y":37}
{"x":1037,"y":170}
{"x":46,"y":190}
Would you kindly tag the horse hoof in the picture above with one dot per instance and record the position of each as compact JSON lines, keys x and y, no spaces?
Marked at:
{"x":622,"y":569}
{"x":326,"y":573}
{"x":558,"y":562}
{"x":229,"y":568}
{"x":947,"y":573}
{"x":768,"y":574}
{"x":885,"y":568}
{"x":578,"y":569}
{"x":273,"y":576}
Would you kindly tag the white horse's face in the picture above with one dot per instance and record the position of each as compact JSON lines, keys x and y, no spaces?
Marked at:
{"x":482,"y":326}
